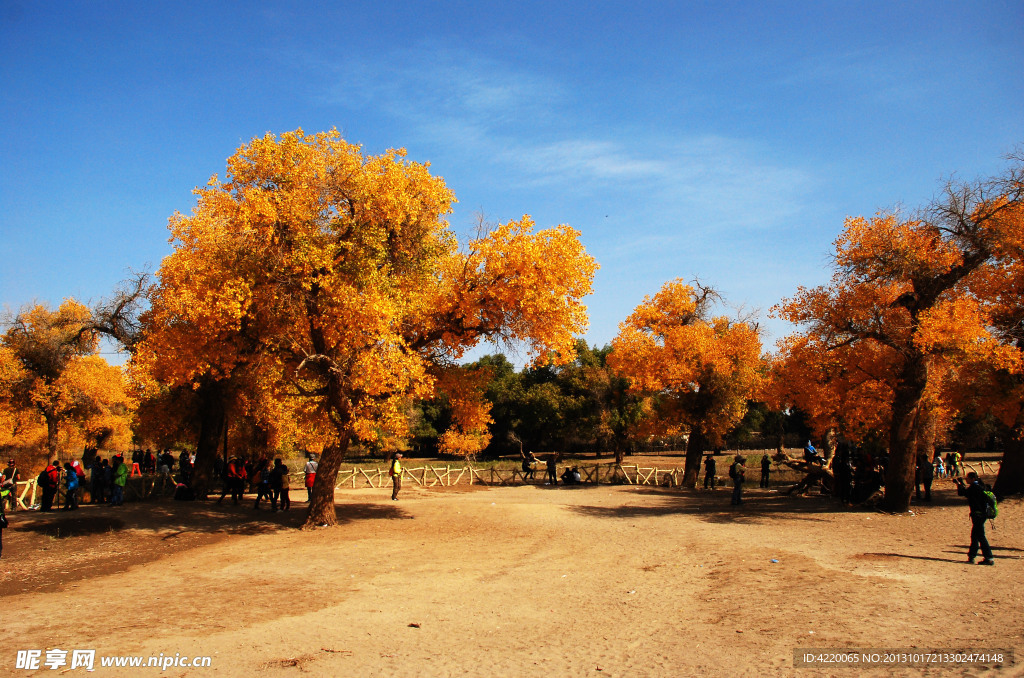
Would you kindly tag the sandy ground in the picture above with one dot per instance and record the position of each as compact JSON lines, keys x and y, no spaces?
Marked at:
{"x":513,"y":581}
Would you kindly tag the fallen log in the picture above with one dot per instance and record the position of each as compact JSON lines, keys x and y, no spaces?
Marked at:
{"x":814,"y":475}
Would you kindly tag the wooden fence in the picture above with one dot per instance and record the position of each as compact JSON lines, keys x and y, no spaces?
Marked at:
{"x":137,"y":487}
{"x":447,"y":476}
{"x":159,"y":485}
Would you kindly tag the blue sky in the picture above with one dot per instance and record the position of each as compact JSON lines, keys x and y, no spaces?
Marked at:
{"x":721,"y":140}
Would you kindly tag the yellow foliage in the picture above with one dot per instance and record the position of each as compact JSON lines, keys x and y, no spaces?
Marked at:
{"x":701,"y":370}
{"x":330,"y":284}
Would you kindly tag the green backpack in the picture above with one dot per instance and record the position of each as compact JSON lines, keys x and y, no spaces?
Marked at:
{"x":991,"y":505}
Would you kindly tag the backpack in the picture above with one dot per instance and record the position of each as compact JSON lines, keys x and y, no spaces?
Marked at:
{"x":732,"y":471}
{"x":991,"y":505}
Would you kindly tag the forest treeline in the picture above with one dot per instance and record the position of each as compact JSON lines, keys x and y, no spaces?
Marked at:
{"x":316,"y":298}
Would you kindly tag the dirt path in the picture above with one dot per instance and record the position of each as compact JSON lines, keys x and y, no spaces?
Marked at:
{"x":524,"y":581}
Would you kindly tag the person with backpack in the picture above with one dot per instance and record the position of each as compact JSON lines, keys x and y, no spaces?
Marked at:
{"x":49,"y":481}
{"x":766,"y":469}
{"x":396,"y":475}
{"x":738,"y":474}
{"x":983,"y":506}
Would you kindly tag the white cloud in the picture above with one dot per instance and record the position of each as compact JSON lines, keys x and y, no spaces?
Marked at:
{"x":490,"y":115}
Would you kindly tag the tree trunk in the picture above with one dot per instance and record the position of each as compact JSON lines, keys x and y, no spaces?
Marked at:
{"x":1011,"y":471}
{"x":52,"y":425}
{"x":321,"y":508}
{"x":899,"y":477}
{"x":211,"y":427}
{"x":927,"y":431}
{"x":829,"y":443}
{"x":694,"y":455}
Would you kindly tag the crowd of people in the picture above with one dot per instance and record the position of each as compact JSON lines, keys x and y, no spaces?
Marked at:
{"x":857,"y":474}
{"x":104,"y":478}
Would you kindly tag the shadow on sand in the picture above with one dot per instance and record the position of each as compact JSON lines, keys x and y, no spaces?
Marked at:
{"x":181,"y":517}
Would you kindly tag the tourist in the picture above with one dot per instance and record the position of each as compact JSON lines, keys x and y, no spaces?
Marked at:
{"x":166,"y":462}
{"x":108,"y":480}
{"x":7,"y":490}
{"x":766,"y":467}
{"x":980,"y":504}
{"x":275,"y":483}
{"x":710,"y":468}
{"x":738,"y":474}
{"x":286,"y":502}
{"x":70,"y":487}
{"x":185,"y":468}
{"x":528,"y":461}
{"x":235,"y":481}
{"x":120,"y":473}
{"x":552,"y":469}
{"x":3,"y":526}
{"x":396,"y":475}
{"x":572,"y":476}
{"x":310,"y":476}
{"x":96,"y":480}
{"x":923,"y":476}
{"x":842,"y":472}
{"x":12,"y":475}
{"x":261,"y":478}
{"x":811,"y":455}
{"x":49,"y":481}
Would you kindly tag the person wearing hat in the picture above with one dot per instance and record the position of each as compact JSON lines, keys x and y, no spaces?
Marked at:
{"x":736,"y":472}
{"x":396,"y":475}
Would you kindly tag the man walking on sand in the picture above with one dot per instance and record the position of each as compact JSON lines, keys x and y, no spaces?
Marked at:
{"x":980,"y":505}
{"x":396,"y":475}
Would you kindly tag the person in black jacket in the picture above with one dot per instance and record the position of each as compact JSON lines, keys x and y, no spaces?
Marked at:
{"x":738,"y":474}
{"x":923,"y":475}
{"x":709,"y":472}
{"x":978,"y":501}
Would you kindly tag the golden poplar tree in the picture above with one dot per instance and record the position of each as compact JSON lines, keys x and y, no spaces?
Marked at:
{"x":902,"y":285}
{"x":699,"y":369}
{"x":333,"y":280}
